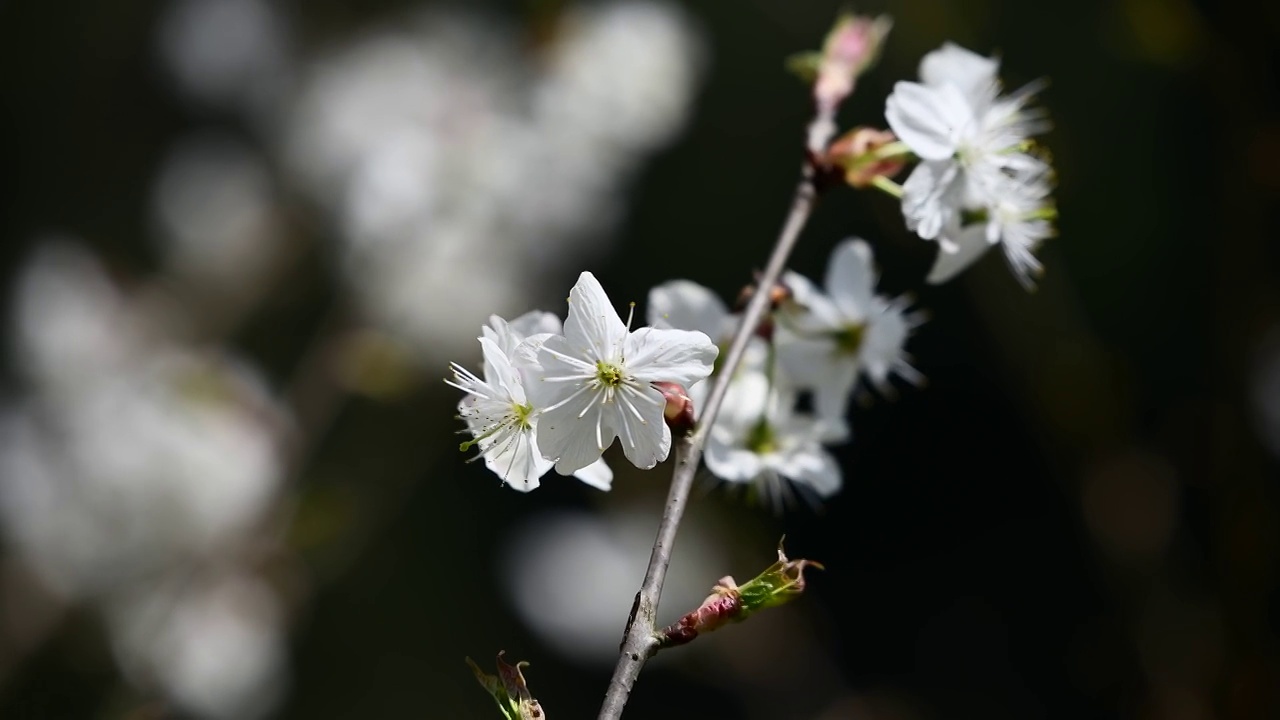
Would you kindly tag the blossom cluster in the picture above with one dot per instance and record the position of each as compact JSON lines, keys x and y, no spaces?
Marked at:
{"x":550,"y":398}
{"x":560,"y":399}
{"x":819,"y":343}
{"x":981,"y":180}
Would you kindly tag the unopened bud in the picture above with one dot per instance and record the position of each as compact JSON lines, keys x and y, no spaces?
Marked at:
{"x":509,"y":690}
{"x":679,"y":410}
{"x":851,"y":47}
{"x":721,"y":607}
{"x":728,"y":602}
{"x":780,"y":583}
{"x":865,"y":153}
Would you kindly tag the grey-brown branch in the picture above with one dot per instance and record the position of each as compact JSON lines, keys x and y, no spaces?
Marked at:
{"x":639,"y":642}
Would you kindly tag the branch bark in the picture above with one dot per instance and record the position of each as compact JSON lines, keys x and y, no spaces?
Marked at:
{"x":639,"y":643}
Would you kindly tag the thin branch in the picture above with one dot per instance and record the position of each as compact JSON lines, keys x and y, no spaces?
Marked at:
{"x":639,"y":643}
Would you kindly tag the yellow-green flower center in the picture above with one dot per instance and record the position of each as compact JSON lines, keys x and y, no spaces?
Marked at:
{"x":849,"y":340}
{"x":608,"y":374}
{"x":522,"y":414}
{"x":760,"y":440}
{"x":520,"y":418}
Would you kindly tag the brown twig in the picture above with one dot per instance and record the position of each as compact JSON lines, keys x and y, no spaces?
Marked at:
{"x":639,"y":642}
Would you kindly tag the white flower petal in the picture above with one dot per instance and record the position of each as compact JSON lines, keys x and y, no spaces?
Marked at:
{"x":832,"y":393}
{"x":575,"y":434}
{"x":646,"y":440}
{"x":525,"y":357}
{"x":508,"y":335}
{"x":597,"y":475}
{"x":851,"y":278}
{"x":931,"y":198}
{"x":930,"y":120}
{"x":970,"y":244}
{"x":803,"y":360}
{"x":513,"y":457}
{"x":542,"y":378}
{"x":686,"y":305}
{"x":663,"y":355}
{"x":883,"y":342}
{"x":593,"y":326}
{"x":500,"y":373}
{"x":729,"y":461}
{"x":811,"y":466}
{"x":809,"y":310}
{"x":499,"y":332}
{"x":954,"y":65}
{"x":535,"y":322}
{"x":745,"y":402}
{"x":754,"y":362}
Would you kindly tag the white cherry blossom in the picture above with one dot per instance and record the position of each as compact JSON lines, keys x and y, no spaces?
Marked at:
{"x":973,"y":145}
{"x":760,"y":440}
{"x":825,"y":340}
{"x":593,"y":383}
{"x":497,"y":410}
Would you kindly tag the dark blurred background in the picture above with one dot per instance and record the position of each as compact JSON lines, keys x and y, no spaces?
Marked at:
{"x":243,"y":239}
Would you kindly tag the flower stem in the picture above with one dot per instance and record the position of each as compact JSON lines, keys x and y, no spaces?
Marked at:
{"x":639,"y":642}
{"x":892,"y":150}
{"x":881,"y":182}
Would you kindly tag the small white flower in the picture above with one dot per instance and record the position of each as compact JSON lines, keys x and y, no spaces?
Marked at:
{"x":594,"y":382}
{"x":497,"y":410}
{"x":1019,"y":220}
{"x":824,"y":340}
{"x":759,"y":440}
{"x":972,"y":142}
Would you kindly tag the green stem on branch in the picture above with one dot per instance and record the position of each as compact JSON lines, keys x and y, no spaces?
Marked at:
{"x":883,"y":183}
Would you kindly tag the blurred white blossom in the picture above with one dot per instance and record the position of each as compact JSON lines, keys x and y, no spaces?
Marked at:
{"x":227,"y":53}
{"x":215,"y":643}
{"x":829,"y":339}
{"x":214,"y":207}
{"x":759,"y":438}
{"x":571,"y":576}
{"x":72,"y":326}
{"x":148,"y":469}
{"x":459,"y":165}
{"x":129,"y":461}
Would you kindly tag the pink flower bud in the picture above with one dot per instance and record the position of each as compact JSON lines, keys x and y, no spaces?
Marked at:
{"x":721,"y":607}
{"x":865,"y":153}
{"x":851,"y":47}
{"x":728,"y":602}
{"x":679,"y":409}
